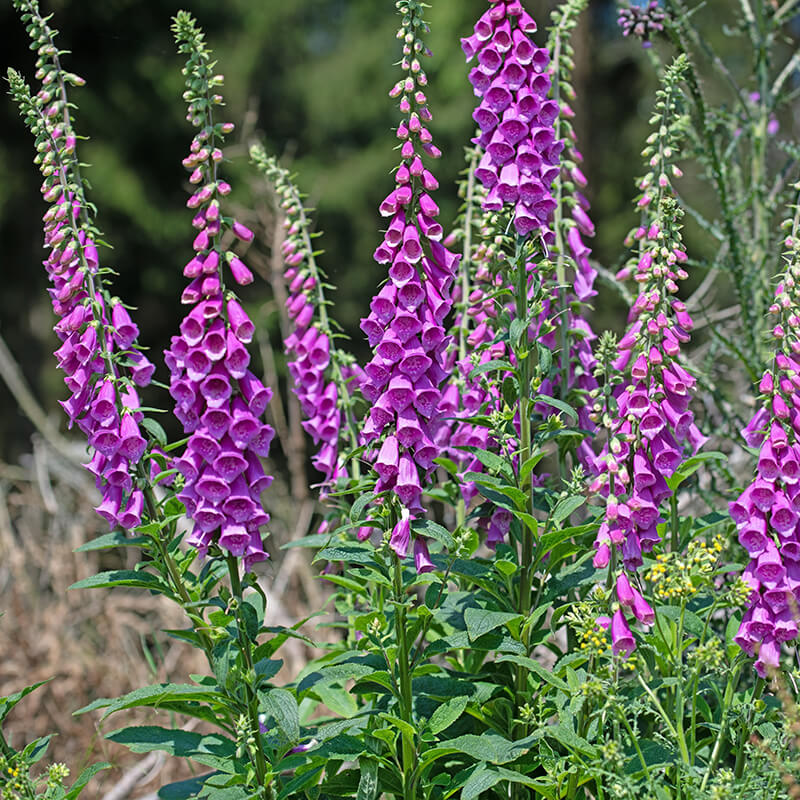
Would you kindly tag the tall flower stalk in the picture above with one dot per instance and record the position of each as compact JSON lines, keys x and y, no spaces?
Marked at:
{"x":766,"y":513}
{"x":99,"y":355}
{"x":219,"y":400}
{"x":405,"y":325}
{"x":650,"y":426}
{"x":321,"y":372}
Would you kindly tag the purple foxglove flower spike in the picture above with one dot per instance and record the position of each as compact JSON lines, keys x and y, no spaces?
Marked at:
{"x":766,"y":513}
{"x":317,"y":366}
{"x":650,"y":406}
{"x":219,"y":401}
{"x":405,"y":326}
{"x":98,"y":352}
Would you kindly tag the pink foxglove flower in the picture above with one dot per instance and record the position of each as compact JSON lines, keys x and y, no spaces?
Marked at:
{"x":652,"y":427}
{"x":319,"y":374}
{"x":219,"y":401}
{"x":405,"y":326}
{"x":766,"y":513}
{"x":98,"y":353}
{"x":521,"y":154}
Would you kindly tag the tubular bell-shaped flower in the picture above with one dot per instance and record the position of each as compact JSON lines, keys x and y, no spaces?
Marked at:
{"x":405,"y":324}
{"x":98,"y":353}
{"x":320,"y":370}
{"x":767,"y":512}
{"x":218,"y":399}
{"x":521,"y":153}
{"x":650,"y":426}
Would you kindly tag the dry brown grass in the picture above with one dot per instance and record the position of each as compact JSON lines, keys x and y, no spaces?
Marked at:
{"x":91,"y":643}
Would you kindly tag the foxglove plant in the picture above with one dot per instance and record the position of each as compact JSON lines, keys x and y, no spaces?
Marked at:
{"x":219,"y":401}
{"x":98,"y":353}
{"x":521,"y":153}
{"x":649,"y":422}
{"x":320,"y":371}
{"x":405,"y":325}
{"x":766,"y":513}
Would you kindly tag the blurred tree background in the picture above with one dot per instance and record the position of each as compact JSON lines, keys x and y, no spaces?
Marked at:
{"x":312,"y":77}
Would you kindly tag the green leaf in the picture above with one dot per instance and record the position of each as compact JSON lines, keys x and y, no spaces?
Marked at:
{"x":185,"y":789}
{"x":480,"y":621}
{"x":537,"y":669}
{"x":489,"y":366}
{"x":691,"y":622}
{"x":368,"y":782}
{"x":124,"y":577}
{"x":516,"y":329}
{"x":488,"y":746}
{"x":350,"y":554}
{"x":401,"y":724}
{"x":113,"y":539}
{"x":155,"y":430}
{"x":281,"y":705}
{"x":213,"y":750}
{"x":337,"y":699}
{"x":559,"y":404}
{"x":84,"y":778}
{"x":480,"y":781}
{"x":655,"y":754}
{"x":491,"y":461}
{"x":293,"y":787}
{"x":691,"y":465}
{"x":7,"y":703}
{"x":156,"y":696}
{"x":360,"y":504}
{"x":566,"y":507}
{"x":434,"y":531}
{"x":447,"y":713}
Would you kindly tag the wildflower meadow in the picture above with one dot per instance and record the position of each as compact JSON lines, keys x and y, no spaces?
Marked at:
{"x":551,"y":560}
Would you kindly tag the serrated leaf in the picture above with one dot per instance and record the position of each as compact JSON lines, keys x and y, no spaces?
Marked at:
{"x":155,"y":430}
{"x":185,"y":789}
{"x":434,"y":531}
{"x":7,"y":703}
{"x":480,"y":621}
{"x":281,"y":705}
{"x":213,"y":750}
{"x":481,"y":780}
{"x":368,"y":782}
{"x":491,"y":461}
{"x":360,"y":504}
{"x":559,"y":404}
{"x":691,"y":622}
{"x":155,"y":696}
{"x":447,"y":713}
{"x":83,"y":779}
{"x":123,"y":577}
{"x":691,"y":465}
{"x":566,"y":507}
{"x":489,"y":366}
{"x":113,"y":539}
{"x":537,"y":669}
{"x":350,"y":554}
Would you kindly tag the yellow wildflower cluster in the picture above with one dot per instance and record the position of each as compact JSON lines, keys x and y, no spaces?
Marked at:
{"x":12,"y":783}
{"x":677,"y":576}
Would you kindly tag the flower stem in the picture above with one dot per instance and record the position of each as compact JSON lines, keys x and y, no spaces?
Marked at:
{"x":406,"y":698}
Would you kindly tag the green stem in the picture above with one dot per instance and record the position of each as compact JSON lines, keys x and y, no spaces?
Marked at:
{"x":406,"y":698}
{"x":263,"y":773}
{"x":723,"y":726}
{"x":747,"y":729}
